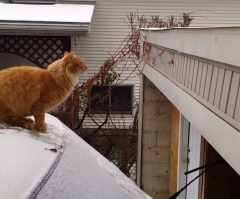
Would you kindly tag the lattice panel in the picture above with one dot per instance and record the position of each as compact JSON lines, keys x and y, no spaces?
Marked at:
{"x":41,"y":50}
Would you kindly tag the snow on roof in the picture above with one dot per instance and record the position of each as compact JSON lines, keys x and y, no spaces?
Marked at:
{"x":193,"y":28}
{"x":75,"y":13}
{"x":84,"y":173}
{"x":24,"y":158}
{"x":79,"y":170}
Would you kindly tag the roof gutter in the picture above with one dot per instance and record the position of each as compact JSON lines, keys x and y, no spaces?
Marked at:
{"x":29,"y":28}
{"x":57,"y":19}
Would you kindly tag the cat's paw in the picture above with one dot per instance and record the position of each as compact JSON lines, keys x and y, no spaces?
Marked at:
{"x":42,"y":128}
{"x":28,"y":123}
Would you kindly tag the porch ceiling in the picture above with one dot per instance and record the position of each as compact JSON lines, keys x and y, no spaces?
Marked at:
{"x":56,"y":19}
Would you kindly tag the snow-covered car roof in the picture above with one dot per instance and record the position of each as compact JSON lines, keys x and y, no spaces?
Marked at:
{"x":57,"y":164}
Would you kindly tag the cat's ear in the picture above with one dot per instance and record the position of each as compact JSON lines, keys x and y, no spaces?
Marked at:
{"x":69,"y":58}
{"x":65,"y":53}
{"x":71,"y":55}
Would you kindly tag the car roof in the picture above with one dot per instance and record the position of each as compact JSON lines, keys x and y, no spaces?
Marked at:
{"x":57,"y":164}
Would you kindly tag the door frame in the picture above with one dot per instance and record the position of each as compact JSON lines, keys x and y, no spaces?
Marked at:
{"x":184,"y":155}
{"x":183,"y":146}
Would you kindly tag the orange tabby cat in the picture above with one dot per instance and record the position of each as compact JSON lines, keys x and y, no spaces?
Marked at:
{"x":27,"y":90}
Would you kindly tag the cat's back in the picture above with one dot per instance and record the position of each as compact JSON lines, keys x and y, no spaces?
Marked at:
{"x":20,"y":87}
{"x":19,"y":70}
{"x":21,"y":75}
{"x":21,"y":80}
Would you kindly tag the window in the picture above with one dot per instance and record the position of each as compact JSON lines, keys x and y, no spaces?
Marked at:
{"x":116,"y":99}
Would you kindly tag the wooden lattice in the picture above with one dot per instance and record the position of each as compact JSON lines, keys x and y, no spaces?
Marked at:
{"x":41,"y":50}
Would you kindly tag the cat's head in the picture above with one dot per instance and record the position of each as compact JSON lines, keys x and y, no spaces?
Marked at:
{"x":70,"y":65}
{"x":74,"y":64}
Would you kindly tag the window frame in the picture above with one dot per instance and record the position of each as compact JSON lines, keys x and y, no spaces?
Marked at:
{"x":115,"y":112}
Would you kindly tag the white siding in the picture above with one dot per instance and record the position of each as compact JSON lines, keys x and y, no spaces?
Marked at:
{"x":108,"y":28}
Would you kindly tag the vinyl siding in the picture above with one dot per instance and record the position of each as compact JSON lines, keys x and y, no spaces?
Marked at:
{"x":108,"y":29}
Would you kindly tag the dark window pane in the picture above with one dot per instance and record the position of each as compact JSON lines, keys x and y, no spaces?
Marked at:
{"x":121,"y":99}
{"x":99,"y":99}
{"x":117,"y":99}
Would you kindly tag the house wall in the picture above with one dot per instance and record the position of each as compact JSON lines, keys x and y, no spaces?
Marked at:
{"x":159,"y":149}
{"x":108,"y":29}
{"x":156,"y":132}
